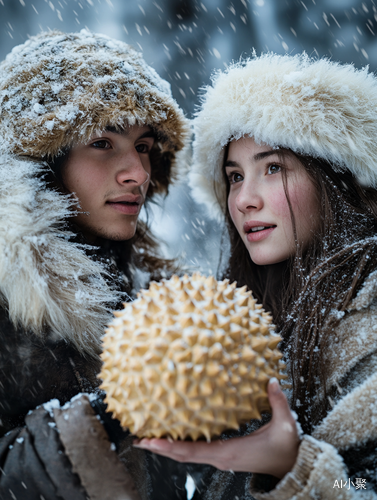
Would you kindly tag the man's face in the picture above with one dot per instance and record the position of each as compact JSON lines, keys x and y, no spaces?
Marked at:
{"x":110,"y":176}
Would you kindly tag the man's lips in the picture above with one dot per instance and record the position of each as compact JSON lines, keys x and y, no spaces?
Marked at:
{"x":128,"y":204}
{"x":258,"y":230}
{"x":127,"y":198}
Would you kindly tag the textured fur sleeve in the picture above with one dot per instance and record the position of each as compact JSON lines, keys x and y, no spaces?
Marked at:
{"x":342,"y":450}
{"x":62,"y":454}
{"x":319,"y":473}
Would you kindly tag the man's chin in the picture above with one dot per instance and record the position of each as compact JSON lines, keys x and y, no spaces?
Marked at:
{"x":97,"y":235}
{"x":119,"y":237}
{"x":116,"y":236}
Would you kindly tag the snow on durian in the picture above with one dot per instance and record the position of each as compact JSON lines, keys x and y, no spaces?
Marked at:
{"x":190,"y":357}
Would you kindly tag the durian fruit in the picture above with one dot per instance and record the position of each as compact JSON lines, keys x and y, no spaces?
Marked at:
{"x":190,"y":357}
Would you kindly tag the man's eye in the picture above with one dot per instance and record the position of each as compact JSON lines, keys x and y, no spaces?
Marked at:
{"x":142,"y":148}
{"x":101,"y":144}
{"x":273,"y":169}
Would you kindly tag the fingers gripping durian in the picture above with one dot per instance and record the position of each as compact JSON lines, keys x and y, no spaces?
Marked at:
{"x":190,"y":357}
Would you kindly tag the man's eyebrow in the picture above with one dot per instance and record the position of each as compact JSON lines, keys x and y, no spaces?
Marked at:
{"x":148,"y":133}
{"x":115,"y":130}
{"x":257,"y":157}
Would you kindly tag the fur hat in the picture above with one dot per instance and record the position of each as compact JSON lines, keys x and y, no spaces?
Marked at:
{"x":314,"y":107}
{"x":57,"y":89}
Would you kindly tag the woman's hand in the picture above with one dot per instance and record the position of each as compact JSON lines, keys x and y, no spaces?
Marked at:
{"x":272,"y":449}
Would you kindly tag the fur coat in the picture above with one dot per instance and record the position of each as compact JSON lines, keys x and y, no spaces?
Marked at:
{"x":57,"y":296}
{"x":339,"y":460}
{"x":55,"y":303}
{"x":57,"y":293}
{"x":56,"y":300}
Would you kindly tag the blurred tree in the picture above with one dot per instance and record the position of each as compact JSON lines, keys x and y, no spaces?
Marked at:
{"x":185,"y":40}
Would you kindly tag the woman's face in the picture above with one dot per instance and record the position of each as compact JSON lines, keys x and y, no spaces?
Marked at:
{"x":258,"y":204}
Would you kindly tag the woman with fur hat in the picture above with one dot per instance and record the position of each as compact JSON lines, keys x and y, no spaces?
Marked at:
{"x":285,"y":149}
{"x":88,"y":134}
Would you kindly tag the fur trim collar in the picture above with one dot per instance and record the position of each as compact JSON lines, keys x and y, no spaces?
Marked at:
{"x":313,"y":107}
{"x":48,"y":284}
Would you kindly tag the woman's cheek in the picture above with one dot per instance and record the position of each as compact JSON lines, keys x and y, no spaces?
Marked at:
{"x":279,"y":205}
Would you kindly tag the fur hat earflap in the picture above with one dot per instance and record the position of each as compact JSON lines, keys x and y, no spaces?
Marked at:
{"x":317,"y":108}
{"x":57,"y":89}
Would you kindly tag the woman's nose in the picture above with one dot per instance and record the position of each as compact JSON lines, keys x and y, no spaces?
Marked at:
{"x":132,"y":170}
{"x":249,"y":197}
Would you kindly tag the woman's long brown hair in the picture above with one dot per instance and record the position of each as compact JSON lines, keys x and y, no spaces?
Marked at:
{"x":308,"y":294}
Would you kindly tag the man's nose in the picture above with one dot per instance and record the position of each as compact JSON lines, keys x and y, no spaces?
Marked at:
{"x":132,"y":170}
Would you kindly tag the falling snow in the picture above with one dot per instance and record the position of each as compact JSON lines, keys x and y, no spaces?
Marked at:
{"x":185,"y":42}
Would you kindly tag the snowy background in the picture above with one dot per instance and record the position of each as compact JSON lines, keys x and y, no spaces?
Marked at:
{"x":185,"y":40}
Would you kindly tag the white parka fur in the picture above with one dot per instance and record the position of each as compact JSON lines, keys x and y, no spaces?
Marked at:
{"x":317,"y":108}
{"x":46,"y":280}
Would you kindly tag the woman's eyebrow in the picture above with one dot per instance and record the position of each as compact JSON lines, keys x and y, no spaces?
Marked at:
{"x":264,"y":154}
{"x":256,"y":157}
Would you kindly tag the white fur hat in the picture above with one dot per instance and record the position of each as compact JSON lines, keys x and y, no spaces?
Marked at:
{"x":313,"y":107}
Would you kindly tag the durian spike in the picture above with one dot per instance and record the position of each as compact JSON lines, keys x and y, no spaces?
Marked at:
{"x":212,"y":318}
{"x":274,"y":341}
{"x":259,"y":344}
{"x":243,"y":301}
{"x":229,"y":293}
{"x":185,"y":322}
{"x":197,"y":296}
{"x":211,"y":282}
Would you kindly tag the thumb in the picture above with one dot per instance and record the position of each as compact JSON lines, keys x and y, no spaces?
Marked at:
{"x":278,"y":401}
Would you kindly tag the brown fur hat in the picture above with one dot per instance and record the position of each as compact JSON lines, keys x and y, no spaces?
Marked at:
{"x":57,"y":89}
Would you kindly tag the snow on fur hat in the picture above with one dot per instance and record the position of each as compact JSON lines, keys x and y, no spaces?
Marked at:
{"x":57,"y":89}
{"x":314,"y":107}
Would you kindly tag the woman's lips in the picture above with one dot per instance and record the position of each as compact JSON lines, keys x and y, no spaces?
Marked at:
{"x":125,"y":207}
{"x":259,"y":235}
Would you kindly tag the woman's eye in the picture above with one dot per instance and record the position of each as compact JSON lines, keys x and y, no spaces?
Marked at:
{"x":273,"y":169}
{"x":142,"y":148}
{"x":234,"y":177}
{"x":101,"y":144}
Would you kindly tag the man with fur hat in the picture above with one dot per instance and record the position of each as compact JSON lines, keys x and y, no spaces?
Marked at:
{"x":88,"y":134}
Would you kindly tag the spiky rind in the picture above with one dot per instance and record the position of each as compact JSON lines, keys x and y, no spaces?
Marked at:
{"x":190,"y":357}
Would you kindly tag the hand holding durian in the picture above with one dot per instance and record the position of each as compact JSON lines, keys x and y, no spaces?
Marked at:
{"x":190,"y":357}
